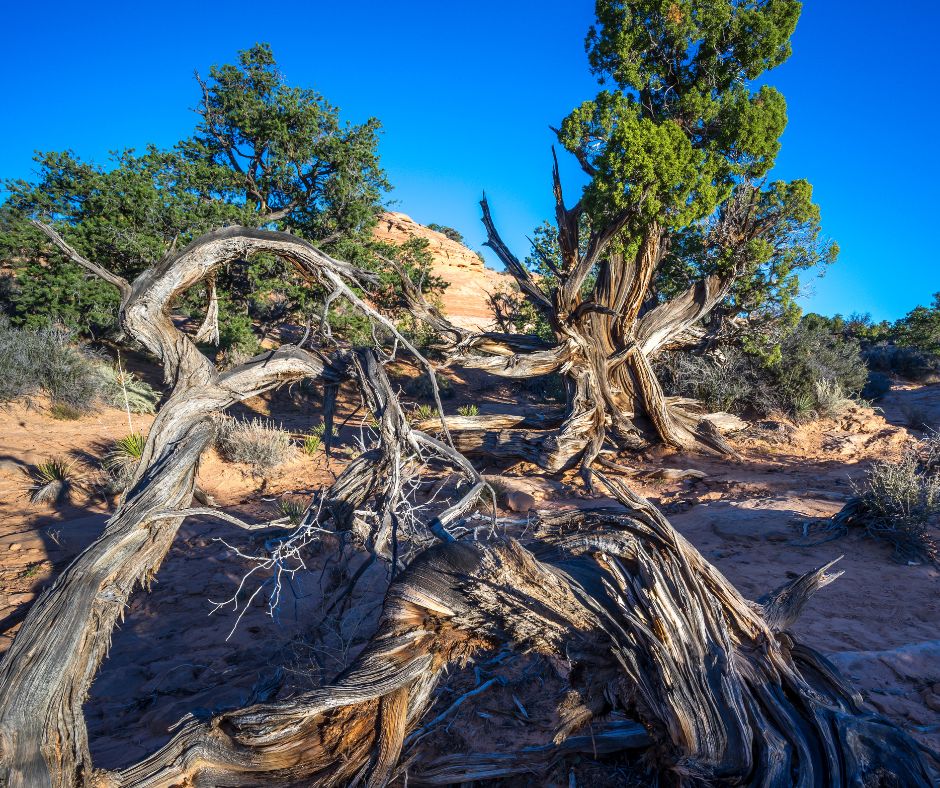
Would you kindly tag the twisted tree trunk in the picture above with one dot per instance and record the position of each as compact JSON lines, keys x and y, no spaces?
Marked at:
{"x":719,"y":692}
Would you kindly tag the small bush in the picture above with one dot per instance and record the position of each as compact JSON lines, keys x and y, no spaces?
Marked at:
{"x":44,"y":359}
{"x":877,"y":385}
{"x":313,"y":440}
{"x":423,"y":413}
{"x":141,"y":397}
{"x":905,"y":362}
{"x":899,"y":502}
{"x":468,"y":410}
{"x":54,"y":480}
{"x":420,"y":387}
{"x":293,"y":508}
{"x":257,"y":443}
{"x":830,"y":400}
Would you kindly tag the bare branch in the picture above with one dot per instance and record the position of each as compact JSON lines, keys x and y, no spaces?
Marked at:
{"x":118,"y":281}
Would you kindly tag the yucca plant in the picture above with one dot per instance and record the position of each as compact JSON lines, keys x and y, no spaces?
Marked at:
{"x":54,"y":480}
{"x":121,"y":461}
{"x":123,"y":389}
{"x":293,"y":508}
{"x":468,"y":410}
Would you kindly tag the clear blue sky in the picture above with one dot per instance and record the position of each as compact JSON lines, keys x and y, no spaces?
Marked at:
{"x":466,"y":92}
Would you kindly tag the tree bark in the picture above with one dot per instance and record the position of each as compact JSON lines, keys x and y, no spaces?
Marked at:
{"x":721,"y":692}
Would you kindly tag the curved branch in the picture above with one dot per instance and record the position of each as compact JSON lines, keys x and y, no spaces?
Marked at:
{"x":118,"y":281}
{"x":519,"y":272}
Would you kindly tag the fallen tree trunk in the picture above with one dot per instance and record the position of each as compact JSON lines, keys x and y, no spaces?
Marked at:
{"x":723,"y":693}
{"x":649,"y":629}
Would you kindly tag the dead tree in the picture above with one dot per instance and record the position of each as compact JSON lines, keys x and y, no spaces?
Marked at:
{"x":711,"y":688}
{"x":719,"y":691}
{"x":46,"y":674}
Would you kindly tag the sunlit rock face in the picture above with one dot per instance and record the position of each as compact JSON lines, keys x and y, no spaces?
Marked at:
{"x":469,"y":280}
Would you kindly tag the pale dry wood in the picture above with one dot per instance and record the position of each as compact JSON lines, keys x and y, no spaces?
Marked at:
{"x":716,"y":689}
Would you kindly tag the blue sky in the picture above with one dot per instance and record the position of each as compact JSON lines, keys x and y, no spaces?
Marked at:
{"x":466,"y":93}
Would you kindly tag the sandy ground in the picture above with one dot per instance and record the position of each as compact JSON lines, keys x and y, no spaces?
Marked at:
{"x":177,"y":652}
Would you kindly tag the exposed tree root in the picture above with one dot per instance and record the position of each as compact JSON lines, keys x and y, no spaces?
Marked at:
{"x":722,"y":694}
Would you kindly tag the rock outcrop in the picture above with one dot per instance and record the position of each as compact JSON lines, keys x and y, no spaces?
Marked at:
{"x":468,"y":279}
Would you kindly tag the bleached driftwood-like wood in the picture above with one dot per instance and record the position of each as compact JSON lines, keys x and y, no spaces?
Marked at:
{"x":720,"y":693}
{"x":46,"y":674}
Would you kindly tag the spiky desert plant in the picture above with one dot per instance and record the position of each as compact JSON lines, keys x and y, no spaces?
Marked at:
{"x":292,"y":507}
{"x":121,"y":460}
{"x":123,"y":389}
{"x":468,"y":410}
{"x":53,"y":480}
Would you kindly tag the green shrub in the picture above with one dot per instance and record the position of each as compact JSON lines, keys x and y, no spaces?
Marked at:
{"x":292,"y":507}
{"x":899,"y":502}
{"x":877,"y":385}
{"x":906,"y":362}
{"x":420,"y":387}
{"x":423,"y":413}
{"x":44,"y":359}
{"x":54,"y":480}
{"x":468,"y":410}
{"x":313,"y":440}
{"x":257,"y":443}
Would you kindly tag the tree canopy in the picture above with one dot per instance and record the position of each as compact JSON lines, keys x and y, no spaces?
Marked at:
{"x":263,"y":153}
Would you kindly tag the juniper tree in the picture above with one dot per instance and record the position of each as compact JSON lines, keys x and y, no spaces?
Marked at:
{"x":264,"y":153}
{"x":677,"y":217}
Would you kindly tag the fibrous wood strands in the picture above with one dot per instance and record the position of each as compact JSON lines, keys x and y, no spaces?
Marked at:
{"x":718,"y":691}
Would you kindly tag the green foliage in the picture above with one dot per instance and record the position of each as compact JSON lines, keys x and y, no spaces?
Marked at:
{"x":681,"y":125}
{"x":468,"y":410}
{"x":123,"y":389}
{"x":899,"y":502}
{"x":920,"y":328}
{"x":120,"y":462}
{"x":292,"y":507}
{"x":263,"y":154}
{"x":817,"y":374}
{"x":313,"y":440}
{"x":423,"y":412}
{"x":45,"y":359}
{"x":54,"y":480}
{"x":450,"y":232}
{"x":812,"y":354}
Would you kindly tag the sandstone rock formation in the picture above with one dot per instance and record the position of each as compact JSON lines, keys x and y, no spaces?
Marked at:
{"x":469,"y":280}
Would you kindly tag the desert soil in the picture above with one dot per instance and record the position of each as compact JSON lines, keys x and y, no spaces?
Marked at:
{"x":177,"y":652}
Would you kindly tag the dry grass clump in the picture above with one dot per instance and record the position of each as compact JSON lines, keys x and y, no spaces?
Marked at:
{"x":54,"y":480}
{"x":257,"y":443}
{"x":899,"y":503}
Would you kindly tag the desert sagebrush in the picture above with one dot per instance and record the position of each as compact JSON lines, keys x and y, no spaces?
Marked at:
{"x":257,"y":443}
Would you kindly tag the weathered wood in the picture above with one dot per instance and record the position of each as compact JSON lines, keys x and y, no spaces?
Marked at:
{"x":724,"y":695}
{"x":46,"y":673}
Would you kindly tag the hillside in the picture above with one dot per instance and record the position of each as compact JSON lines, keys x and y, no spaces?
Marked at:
{"x":468,"y":279}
